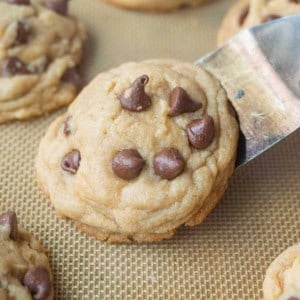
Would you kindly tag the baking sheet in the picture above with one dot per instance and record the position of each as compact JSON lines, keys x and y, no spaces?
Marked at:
{"x":224,"y":258}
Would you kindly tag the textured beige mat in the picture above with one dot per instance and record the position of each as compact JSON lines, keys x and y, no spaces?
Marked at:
{"x":226,"y":257}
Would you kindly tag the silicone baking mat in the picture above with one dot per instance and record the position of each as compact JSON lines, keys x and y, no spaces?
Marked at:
{"x":224,"y":258}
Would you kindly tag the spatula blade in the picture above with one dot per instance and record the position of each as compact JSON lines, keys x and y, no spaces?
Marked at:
{"x":260,"y":70}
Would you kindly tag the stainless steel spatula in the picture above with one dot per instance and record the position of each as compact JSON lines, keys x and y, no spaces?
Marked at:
{"x":260,"y":70}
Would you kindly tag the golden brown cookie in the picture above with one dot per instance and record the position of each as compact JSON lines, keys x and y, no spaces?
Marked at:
{"x":282,"y":280}
{"x":145,"y":148}
{"x":24,"y":268}
{"x":155,"y":5}
{"x":248,"y":13}
{"x":40,"y":49}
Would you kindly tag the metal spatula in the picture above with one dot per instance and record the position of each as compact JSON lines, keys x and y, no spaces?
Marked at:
{"x":260,"y":70}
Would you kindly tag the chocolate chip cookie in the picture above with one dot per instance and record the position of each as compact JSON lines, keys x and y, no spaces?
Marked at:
{"x":155,"y":5}
{"x":145,"y":148}
{"x":247,"y":13}
{"x":40,"y":49}
{"x":282,"y":280}
{"x":24,"y":267}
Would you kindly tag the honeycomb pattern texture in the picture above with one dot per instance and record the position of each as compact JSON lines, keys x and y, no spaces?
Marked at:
{"x":225,"y":257}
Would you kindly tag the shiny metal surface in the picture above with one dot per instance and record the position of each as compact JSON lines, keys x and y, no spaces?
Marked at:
{"x":260,"y":70}
{"x":280,"y":43}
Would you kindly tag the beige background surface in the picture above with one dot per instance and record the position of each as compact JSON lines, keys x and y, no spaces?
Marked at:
{"x":224,"y":258}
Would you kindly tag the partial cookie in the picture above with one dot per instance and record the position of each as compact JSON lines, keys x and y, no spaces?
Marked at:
{"x":145,"y":148}
{"x":248,"y":13}
{"x":40,"y":49}
{"x":155,"y":5}
{"x":24,"y":268}
{"x":282,"y":280}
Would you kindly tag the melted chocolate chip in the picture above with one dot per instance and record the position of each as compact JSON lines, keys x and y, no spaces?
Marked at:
{"x":23,"y":32}
{"x":135,"y":98}
{"x":19,"y":2}
{"x":71,"y":162}
{"x":168,"y":163}
{"x":270,"y":18}
{"x":201,"y":132}
{"x":294,"y":1}
{"x":13,"y":66}
{"x":127,"y":164}
{"x":243,"y":15}
{"x":180,"y":102}
{"x":59,"y":6}
{"x":37,"y":280}
{"x":67,"y":129}
{"x":9,"y":219}
{"x":72,"y":76}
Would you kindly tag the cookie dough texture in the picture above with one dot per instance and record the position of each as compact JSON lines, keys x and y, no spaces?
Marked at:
{"x":147,"y":208}
{"x":248,"y":13}
{"x":53,"y":45}
{"x":155,"y":5}
{"x":18,"y":256}
{"x":282,"y":280}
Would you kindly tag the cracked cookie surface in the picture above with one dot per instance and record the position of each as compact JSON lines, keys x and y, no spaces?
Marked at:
{"x":248,"y":13}
{"x":145,"y":148}
{"x":24,"y":268}
{"x":40,"y":48}
{"x":282,"y":280}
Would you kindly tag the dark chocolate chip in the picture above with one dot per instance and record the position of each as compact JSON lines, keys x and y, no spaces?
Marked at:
{"x":59,"y":6}
{"x":243,"y":15}
{"x":72,"y":76}
{"x":168,"y":163}
{"x":71,"y":162}
{"x":127,"y":164}
{"x":13,"y":66}
{"x":294,"y":1}
{"x":135,"y":98}
{"x":23,"y":32}
{"x":293,"y":298}
{"x":270,"y":18}
{"x":19,"y":2}
{"x":37,"y":280}
{"x":201,"y":132}
{"x":180,"y":102}
{"x":9,"y":219}
{"x":67,"y":129}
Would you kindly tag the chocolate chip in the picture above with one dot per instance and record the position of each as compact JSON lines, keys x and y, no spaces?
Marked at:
{"x":67,"y":129}
{"x":293,"y":298}
{"x":294,"y":1}
{"x":243,"y":15}
{"x":23,"y":32}
{"x":72,"y":76}
{"x":168,"y":163}
{"x":9,"y":219}
{"x":71,"y":162}
{"x":270,"y":18}
{"x":180,"y":102}
{"x":59,"y":6}
{"x":127,"y":164}
{"x":201,"y":132}
{"x":37,"y":280}
{"x":13,"y":66}
{"x":19,"y":2}
{"x":135,"y":98}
